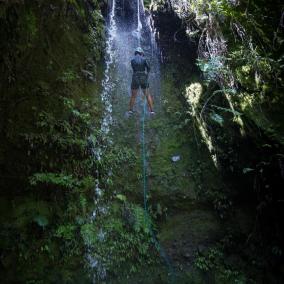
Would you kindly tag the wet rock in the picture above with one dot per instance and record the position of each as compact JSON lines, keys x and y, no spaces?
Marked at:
{"x":170,"y":251}
{"x":186,"y":255}
{"x":234,"y":260}
{"x":193,"y":230}
{"x":201,"y":249}
{"x":175,"y":257}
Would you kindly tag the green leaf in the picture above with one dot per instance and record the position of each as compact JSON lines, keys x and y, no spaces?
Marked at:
{"x":121,"y":197}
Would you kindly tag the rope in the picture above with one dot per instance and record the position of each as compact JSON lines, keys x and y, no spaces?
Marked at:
{"x":147,"y":217}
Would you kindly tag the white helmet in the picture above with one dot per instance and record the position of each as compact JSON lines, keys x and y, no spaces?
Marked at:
{"x":139,"y":50}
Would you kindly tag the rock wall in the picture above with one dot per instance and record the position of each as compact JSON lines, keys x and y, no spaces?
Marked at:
{"x":235,"y":100}
{"x":50,"y":83}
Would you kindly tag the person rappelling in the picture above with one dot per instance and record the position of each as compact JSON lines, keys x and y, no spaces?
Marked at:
{"x":141,"y":69}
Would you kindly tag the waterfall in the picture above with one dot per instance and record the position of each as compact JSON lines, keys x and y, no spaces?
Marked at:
{"x":139,"y":24}
{"x":106,"y":95}
{"x":97,"y":152}
{"x":123,"y":36}
{"x":107,"y":83}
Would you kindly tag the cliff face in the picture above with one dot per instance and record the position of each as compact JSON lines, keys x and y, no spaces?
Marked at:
{"x":239,"y":47}
{"x":50,"y":79}
{"x":235,"y":100}
{"x":215,"y":146}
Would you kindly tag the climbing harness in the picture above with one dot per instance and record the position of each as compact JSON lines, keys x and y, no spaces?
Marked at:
{"x":147,"y":217}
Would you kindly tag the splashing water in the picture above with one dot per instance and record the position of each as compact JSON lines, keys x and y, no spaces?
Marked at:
{"x":139,"y":24}
{"x":107,"y":83}
{"x":107,"y":86}
{"x":124,"y":35}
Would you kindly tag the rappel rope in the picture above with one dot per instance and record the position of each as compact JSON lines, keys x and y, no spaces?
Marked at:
{"x":147,"y":217}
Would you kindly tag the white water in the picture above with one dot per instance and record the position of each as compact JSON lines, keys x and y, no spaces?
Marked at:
{"x":106,"y":96}
{"x":107,"y":119}
{"x":139,"y":24}
{"x":107,"y":82}
{"x":123,"y":36}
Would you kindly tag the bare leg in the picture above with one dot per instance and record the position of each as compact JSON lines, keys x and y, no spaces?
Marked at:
{"x":149,"y":99}
{"x":132,"y":99}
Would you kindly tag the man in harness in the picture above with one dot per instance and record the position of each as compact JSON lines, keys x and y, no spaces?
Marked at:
{"x":141,"y":70}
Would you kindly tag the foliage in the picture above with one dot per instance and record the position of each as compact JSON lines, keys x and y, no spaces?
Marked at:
{"x":240,"y":56}
{"x":212,"y":68}
{"x":239,"y":47}
{"x":47,"y":122}
{"x":213,"y":260}
{"x":120,"y":241}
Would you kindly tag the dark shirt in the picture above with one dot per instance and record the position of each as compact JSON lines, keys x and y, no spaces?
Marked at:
{"x":139,"y":64}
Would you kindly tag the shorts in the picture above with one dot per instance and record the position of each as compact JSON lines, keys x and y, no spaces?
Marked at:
{"x":139,"y":80}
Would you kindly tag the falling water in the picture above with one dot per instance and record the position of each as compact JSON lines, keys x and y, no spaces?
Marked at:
{"x":97,"y":152}
{"x":107,"y":83}
{"x":139,"y":24}
{"x":124,"y":35}
{"x":106,"y":95}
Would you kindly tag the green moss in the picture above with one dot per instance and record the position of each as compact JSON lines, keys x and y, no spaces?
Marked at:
{"x":49,"y":108}
{"x":197,"y":227}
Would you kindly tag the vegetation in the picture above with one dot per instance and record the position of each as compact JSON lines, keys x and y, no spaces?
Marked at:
{"x":240,"y":50}
{"x":48,"y":128}
{"x":60,"y":219}
{"x":236,"y":105}
{"x":71,"y":205}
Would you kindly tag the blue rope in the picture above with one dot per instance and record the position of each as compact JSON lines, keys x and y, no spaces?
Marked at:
{"x":147,"y":217}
